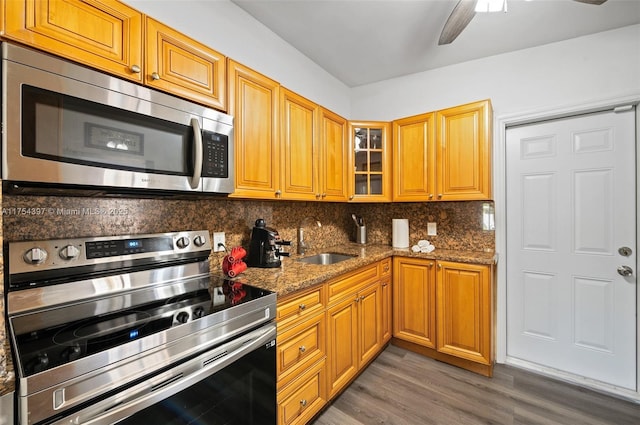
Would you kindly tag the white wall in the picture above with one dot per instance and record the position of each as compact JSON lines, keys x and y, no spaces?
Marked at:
{"x":584,"y":69}
{"x":228,"y":29}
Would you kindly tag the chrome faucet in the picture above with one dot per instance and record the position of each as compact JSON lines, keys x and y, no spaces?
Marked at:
{"x":302,"y":245}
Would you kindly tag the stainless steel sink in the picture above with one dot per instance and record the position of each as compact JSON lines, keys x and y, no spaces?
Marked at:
{"x":326,"y":258}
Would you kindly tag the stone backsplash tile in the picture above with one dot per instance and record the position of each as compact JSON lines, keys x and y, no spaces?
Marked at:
{"x":459,"y":224}
{"x":48,"y":217}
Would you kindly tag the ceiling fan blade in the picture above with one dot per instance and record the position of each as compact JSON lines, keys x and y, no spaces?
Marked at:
{"x":596,"y":2}
{"x":460,"y":17}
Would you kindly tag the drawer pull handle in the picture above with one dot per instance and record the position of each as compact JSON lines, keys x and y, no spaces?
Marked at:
{"x":302,"y":306}
{"x":302,"y":348}
{"x":135,"y":69}
{"x":155,"y":76}
{"x":303,"y":403}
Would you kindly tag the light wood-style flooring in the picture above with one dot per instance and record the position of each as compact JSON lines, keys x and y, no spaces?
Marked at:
{"x":401,"y":387}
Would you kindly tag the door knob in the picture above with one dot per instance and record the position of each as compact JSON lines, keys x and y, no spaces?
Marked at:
{"x":625,"y":271}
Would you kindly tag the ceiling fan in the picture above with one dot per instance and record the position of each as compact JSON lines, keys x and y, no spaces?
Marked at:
{"x":464,"y":12}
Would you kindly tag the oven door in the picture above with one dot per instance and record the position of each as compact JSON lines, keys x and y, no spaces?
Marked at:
{"x":77,"y":126}
{"x":235,"y":383}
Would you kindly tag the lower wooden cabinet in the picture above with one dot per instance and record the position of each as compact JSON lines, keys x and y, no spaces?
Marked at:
{"x":464,"y":311}
{"x":444,"y":310}
{"x":326,"y":335}
{"x":414,"y":301}
{"x":355,"y":334}
{"x":303,"y":398}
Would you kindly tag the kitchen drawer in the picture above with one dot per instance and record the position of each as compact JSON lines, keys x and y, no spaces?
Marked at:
{"x":304,"y":397}
{"x":300,"y":347}
{"x":385,"y":267}
{"x":352,"y":282}
{"x":299,"y":306}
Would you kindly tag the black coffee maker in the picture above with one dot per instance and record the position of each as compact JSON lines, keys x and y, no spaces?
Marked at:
{"x":264,"y":249}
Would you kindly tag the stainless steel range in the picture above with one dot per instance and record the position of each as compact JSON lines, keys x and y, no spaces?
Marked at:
{"x":135,"y":330}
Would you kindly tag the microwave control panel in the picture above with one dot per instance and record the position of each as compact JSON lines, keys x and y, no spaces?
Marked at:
{"x":215,"y":161}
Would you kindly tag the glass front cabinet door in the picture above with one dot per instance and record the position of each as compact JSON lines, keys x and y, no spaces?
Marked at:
{"x":370,"y":162}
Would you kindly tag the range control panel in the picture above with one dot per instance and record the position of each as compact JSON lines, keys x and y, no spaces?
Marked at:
{"x":31,"y":256}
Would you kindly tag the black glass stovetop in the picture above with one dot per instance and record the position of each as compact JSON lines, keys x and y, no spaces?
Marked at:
{"x":131,"y":316}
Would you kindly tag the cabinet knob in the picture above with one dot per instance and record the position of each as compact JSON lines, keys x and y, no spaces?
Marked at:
{"x":439,"y":195}
{"x":318,"y":196}
{"x":155,"y":76}
{"x":362,"y":298}
{"x":303,"y":403}
{"x":431,"y":196}
{"x":135,"y":69}
{"x":278,"y":193}
{"x":386,"y":268}
{"x":302,"y":348}
{"x":430,"y":265}
{"x":357,"y":299}
{"x":302,"y":306}
{"x":439,"y":266}
{"x":351,"y":198}
{"x":324,"y":195}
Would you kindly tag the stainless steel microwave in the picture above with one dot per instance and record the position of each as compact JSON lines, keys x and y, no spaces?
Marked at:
{"x":64,"y":124}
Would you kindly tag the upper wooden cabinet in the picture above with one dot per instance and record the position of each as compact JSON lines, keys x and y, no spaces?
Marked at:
{"x":463,"y":152}
{"x":104,"y":34}
{"x":182,"y":66}
{"x":313,"y":150}
{"x":414,"y":158}
{"x":332,"y":149}
{"x":369,"y":162}
{"x":253,"y":101}
{"x":298,"y":143}
{"x":443,"y":155}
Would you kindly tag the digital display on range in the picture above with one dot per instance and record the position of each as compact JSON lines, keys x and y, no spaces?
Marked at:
{"x":112,"y":248}
{"x":134,"y":243}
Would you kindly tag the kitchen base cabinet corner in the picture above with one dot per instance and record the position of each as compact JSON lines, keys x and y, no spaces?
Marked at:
{"x":444,"y":310}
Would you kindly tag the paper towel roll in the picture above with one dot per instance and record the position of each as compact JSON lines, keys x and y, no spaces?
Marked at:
{"x":400,"y":227}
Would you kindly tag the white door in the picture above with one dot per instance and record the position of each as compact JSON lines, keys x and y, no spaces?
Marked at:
{"x":571,"y":211}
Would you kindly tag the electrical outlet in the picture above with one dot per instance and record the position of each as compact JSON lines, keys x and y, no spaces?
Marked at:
{"x":219,"y":243}
{"x":431,"y":229}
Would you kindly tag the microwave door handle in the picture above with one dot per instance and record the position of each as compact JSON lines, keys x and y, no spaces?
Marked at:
{"x":197,"y":149}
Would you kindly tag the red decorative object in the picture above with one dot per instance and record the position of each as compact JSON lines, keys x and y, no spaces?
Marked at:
{"x":232,"y":264}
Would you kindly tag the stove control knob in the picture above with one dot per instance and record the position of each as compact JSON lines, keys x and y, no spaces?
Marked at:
{"x":71,"y":353}
{"x":198,"y":312}
{"x":182,"y":317}
{"x":199,"y":241}
{"x":183,"y":242}
{"x":38,"y":364}
{"x":69,"y":252}
{"x":35,"y":256}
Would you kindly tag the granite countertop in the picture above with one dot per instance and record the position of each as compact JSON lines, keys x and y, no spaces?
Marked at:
{"x":293,"y":275}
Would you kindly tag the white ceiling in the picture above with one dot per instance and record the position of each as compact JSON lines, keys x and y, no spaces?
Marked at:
{"x":364,"y":41}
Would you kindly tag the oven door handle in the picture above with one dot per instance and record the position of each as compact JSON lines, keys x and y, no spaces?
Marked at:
{"x":148,"y":393}
{"x":194,"y":182}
